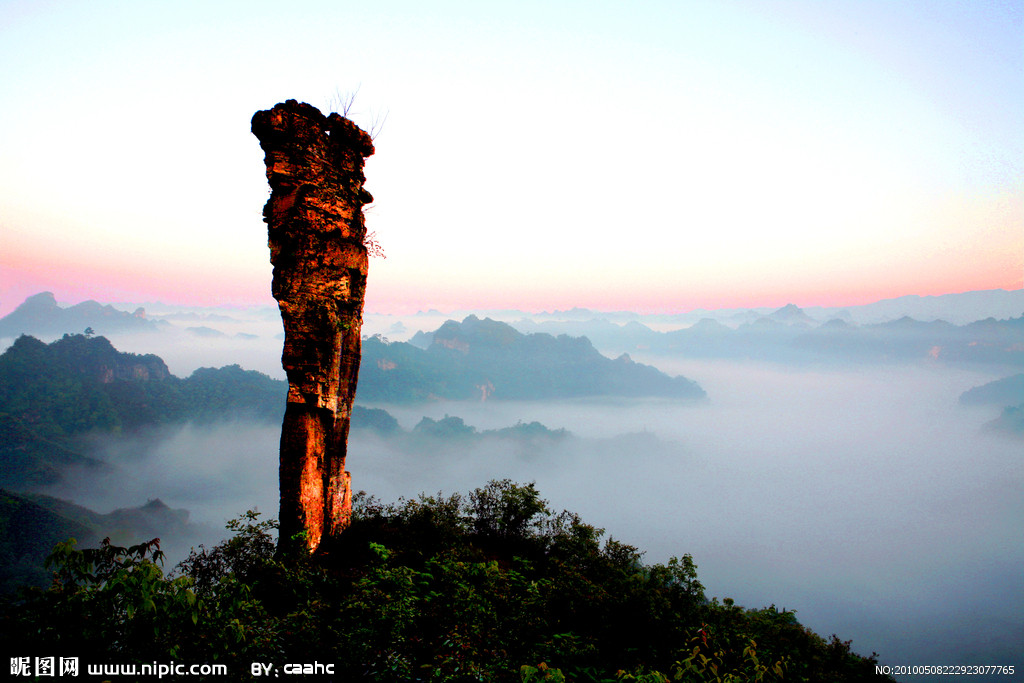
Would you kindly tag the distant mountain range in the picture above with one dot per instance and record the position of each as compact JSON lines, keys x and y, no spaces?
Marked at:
{"x":958,"y":308}
{"x":790,"y":335}
{"x":545,"y":357}
{"x":40,"y":315}
{"x":485,"y":359}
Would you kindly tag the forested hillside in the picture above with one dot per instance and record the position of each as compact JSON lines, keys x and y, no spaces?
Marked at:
{"x":79,"y":384}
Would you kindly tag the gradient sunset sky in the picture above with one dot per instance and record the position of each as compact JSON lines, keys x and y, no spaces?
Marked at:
{"x":649,"y":156}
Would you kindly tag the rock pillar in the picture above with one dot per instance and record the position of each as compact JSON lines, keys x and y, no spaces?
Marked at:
{"x":315,"y":224}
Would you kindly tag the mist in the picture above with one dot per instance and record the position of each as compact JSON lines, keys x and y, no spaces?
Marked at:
{"x":868,"y":501}
{"x":216,"y":472}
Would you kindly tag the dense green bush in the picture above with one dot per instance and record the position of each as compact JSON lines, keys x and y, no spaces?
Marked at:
{"x":493,"y":586}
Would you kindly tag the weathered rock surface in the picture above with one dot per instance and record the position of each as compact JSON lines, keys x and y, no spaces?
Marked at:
{"x":316,"y":234}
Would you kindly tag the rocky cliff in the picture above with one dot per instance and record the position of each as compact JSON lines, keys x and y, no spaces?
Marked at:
{"x":316,"y":234}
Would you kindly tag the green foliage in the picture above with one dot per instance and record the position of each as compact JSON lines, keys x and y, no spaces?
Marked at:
{"x":541,"y":672}
{"x":505,"y":511}
{"x":110,"y":599}
{"x":242,"y":555}
{"x":492,"y":586}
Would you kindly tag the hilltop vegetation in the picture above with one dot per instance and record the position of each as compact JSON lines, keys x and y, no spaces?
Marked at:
{"x":493,"y":586}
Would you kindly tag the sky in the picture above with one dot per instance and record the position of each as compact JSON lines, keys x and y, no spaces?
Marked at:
{"x":646,"y":156}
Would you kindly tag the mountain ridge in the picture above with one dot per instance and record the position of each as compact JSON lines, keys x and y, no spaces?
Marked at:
{"x":484,"y":359}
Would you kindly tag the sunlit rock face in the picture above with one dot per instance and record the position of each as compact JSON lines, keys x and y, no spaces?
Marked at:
{"x":316,"y":233}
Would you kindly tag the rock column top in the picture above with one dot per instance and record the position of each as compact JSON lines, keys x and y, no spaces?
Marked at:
{"x":305,"y":149}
